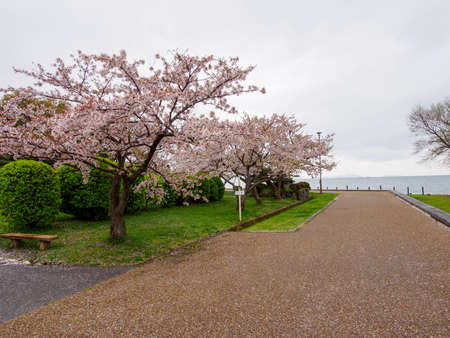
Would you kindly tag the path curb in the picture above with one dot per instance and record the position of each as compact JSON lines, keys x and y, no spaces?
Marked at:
{"x":247,"y":223}
{"x":233,"y":228}
{"x":437,"y":214}
{"x":300,"y":226}
{"x":317,"y":213}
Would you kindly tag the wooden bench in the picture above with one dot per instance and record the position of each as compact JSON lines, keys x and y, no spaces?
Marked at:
{"x":44,"y":240}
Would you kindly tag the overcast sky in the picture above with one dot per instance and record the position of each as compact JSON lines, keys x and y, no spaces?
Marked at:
{"x":354,"y":68}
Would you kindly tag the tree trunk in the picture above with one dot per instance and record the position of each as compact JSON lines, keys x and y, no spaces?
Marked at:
{"x":117,"y":203}
{"x":256,"y":196}
{"x":275,"y":190}
{"x":283,"y":192}
{"x":279,"y":189}
{"x":118,"y":228}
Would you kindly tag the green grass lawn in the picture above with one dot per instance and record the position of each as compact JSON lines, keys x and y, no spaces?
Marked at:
{"x":292,"y":218}
{"x":150,"y":233}
{"x":439,"y":201}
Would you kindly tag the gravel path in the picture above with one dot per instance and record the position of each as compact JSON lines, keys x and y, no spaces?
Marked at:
{"x":370,"y":265}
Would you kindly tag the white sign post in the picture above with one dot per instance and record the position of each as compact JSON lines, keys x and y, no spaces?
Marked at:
{"x":239,"y":193}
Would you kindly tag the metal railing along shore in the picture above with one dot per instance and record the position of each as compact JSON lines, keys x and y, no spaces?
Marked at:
{"x":408,"y":191}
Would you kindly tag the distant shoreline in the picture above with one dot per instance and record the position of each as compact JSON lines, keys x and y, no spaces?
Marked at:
{"x":351,"y":177}
{"x":433,"y":184}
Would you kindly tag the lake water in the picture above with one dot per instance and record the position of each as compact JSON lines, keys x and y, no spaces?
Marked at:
{"x":431,"y":184}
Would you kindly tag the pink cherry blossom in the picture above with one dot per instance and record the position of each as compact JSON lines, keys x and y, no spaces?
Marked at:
{"x":115,"y":118}
{"x":255,"y":149}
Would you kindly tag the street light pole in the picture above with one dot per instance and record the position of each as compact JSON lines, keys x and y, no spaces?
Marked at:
{"x":320,"y":165}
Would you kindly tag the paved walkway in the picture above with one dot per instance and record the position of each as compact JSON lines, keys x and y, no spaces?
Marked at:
{"x":370,"y":265}
{"x":24,"y":288}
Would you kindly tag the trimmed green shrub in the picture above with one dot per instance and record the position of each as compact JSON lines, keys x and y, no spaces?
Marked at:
{"x":299,"y":185}
{"x":220,"y":186}
{"x":211,"y":188}
{"x":204,"y":190}
{"x":304,"y":185}
{"x":29,"y":194}
{"x":213,"y":191}
{"x":300,"y":190}
{"x":137,"y":200}
{"x":172,"y":197}
{"x":189,"y":199}
{"x":5,"y":159}
{"x":88,"y":201}
{"x":288,"y":180}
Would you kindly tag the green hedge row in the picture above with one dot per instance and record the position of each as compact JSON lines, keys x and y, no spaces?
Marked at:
{"x":32,"y":195}
{"x":212,"y":189}
{"x":90,"y":201}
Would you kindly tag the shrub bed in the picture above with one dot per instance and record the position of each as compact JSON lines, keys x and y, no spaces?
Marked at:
{"x":29,"y":194}
{"x":89,"y":201}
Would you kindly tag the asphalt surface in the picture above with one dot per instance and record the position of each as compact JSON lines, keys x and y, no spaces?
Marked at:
{"x":24,"y":288}
{"x":370,"y":265}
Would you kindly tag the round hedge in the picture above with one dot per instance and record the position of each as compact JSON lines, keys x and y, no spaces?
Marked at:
{"x":205,"y":188}
{"x":211,"y":188}
{"x":220,"y":186}
{"x":88,"y":201}
{"x":213,"y":191}
{"x":29,"y":194}
{"x":304,"y":185}
{"x":137,"y":200}
{"x":170,"y":198}
{"x":299,"y":185}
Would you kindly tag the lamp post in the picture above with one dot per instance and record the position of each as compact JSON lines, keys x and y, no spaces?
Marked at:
{"x":320,"y":165}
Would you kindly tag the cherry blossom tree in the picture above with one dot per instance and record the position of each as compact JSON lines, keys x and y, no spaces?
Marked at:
{"x":255,"y":149}
{"x":116,"y":118}
{"x":320,"y":156}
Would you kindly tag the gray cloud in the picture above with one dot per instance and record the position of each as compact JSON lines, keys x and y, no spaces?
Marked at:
{"x":355,"y":68}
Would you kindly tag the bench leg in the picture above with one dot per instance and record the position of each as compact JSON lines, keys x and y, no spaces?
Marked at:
{"x":44,"y":245}
{"x":14,"y":243}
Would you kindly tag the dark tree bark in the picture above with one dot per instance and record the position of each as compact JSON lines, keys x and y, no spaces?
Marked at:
{"x":256,"y":196}
{"x":284,"y":183}
{"x":117,"y":205}
{"x":121,"y":188}
{"x":275,"y":190}
{"x":279,"y":189}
